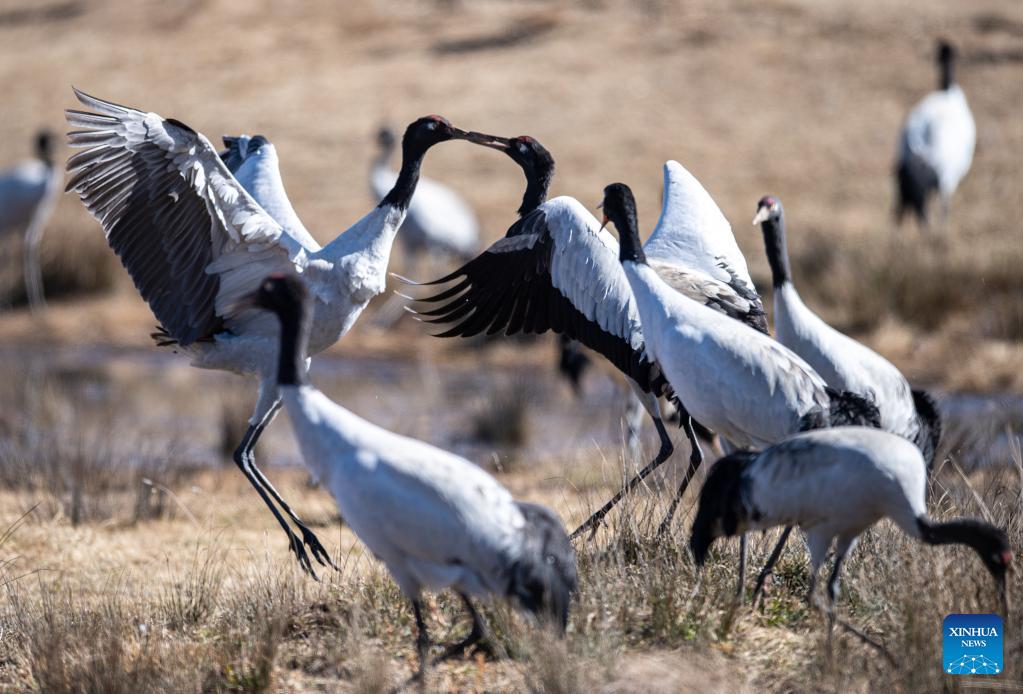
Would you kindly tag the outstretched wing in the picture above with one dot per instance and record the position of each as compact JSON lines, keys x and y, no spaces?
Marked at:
{"x":193,"y":241}
{"x":554,"y":270}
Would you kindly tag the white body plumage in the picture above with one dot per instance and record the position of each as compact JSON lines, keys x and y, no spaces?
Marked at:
{"x":844,"y":363}
{"x":435,"y":519}
{"x":835,"y":483}
{"x":738,"y":382}
{"x":941,"y":131}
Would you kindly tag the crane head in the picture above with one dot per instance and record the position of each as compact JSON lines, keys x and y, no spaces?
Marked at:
{"x":769,"y":208}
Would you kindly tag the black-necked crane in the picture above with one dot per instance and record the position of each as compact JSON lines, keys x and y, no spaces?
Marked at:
{"x":439,"y":221}
{"x":742,"y":384}
{"x":936,"y":144}
{"x":557,"y":270}
{"x":834,"y":484}
{"x":440,"y":224}
{"x":844,"y":363}
{"x":195,"y":242}
{"x":434,"y":519}
{"x":28,"y":193}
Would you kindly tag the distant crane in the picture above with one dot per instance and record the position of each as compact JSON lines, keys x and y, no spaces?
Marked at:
{"x":195,"y":242}
{"x":936,"y":144}
{"x":834,"y":484}
{"x":556,"y":269}
{"x":28,"y":193}
{"x":435,"y":519}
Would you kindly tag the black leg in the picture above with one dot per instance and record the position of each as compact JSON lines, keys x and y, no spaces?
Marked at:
{"x":241,"y":459}
{"x":422,"y":638}
{"x":695,"y":458}
{"x":771,"y":561}
{"x":593,"y":522}
{"x":740,"y":589}
{"x":308,"y":536}
{"x":478,"y":633}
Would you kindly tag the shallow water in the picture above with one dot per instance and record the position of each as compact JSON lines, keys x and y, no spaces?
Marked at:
{"x":153,"y":398}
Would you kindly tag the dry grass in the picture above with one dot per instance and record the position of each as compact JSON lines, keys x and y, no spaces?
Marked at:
{"x":219,"y":606}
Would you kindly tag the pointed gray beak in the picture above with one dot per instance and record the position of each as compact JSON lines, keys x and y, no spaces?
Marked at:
{"x":763,"y":213}
{"x":492,"y":141}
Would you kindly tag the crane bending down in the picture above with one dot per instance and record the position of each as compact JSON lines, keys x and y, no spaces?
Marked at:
{"x":435,"y":519}
{"x":28,"y":193}
{"x":834,"y":484}
{"x":195,"y":242}
{"x":556,"y":269}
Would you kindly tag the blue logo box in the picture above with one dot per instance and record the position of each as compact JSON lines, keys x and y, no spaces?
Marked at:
{"x":972,"y":644}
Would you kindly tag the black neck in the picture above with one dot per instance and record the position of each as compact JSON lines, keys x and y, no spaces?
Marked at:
{"x":294,"y":340}
{"x":537,"y":185}
{"x":777,"y":250}
{"x":629,"y":245}
{"x":946,"y":74}
{"x":411,"y":161}
{"x":961,"y":531}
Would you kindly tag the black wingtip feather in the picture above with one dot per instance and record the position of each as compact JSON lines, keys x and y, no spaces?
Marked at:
{"x":928,"y":437}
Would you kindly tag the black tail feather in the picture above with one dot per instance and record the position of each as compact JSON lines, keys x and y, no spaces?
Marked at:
{"x":928,"y":438}
{"x":845,"y":409}
{"x":544,"y":578}
{"x":916,"y":180}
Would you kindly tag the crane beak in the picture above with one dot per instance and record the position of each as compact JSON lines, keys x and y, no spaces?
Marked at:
{"x":492,"y":141}
{"x":763,"y":213}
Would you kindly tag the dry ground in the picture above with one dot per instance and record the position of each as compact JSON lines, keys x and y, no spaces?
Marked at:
{"x":183,"y":583}
{"x":205,"y":597}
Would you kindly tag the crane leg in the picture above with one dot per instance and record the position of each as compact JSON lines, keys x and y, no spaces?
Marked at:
{"x":695,"y":458}
{"x":740,"y":589}
{"x":829,"y":609}
{"x":769,"y":566}
{"x":593,"y":522}
{"x":308,"y":536}
{"x":479,"y":633}
{"x":422,"y":638}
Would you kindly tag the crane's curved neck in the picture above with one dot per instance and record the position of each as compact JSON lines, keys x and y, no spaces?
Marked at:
{"x":777,"y":250}
{"x":295,"y":325}
{"x":538,"y":183}
{"x":629,"y":245}
{"x":400,"y":196}
{"x":960,"y":531}
{"x":946,"y":74}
